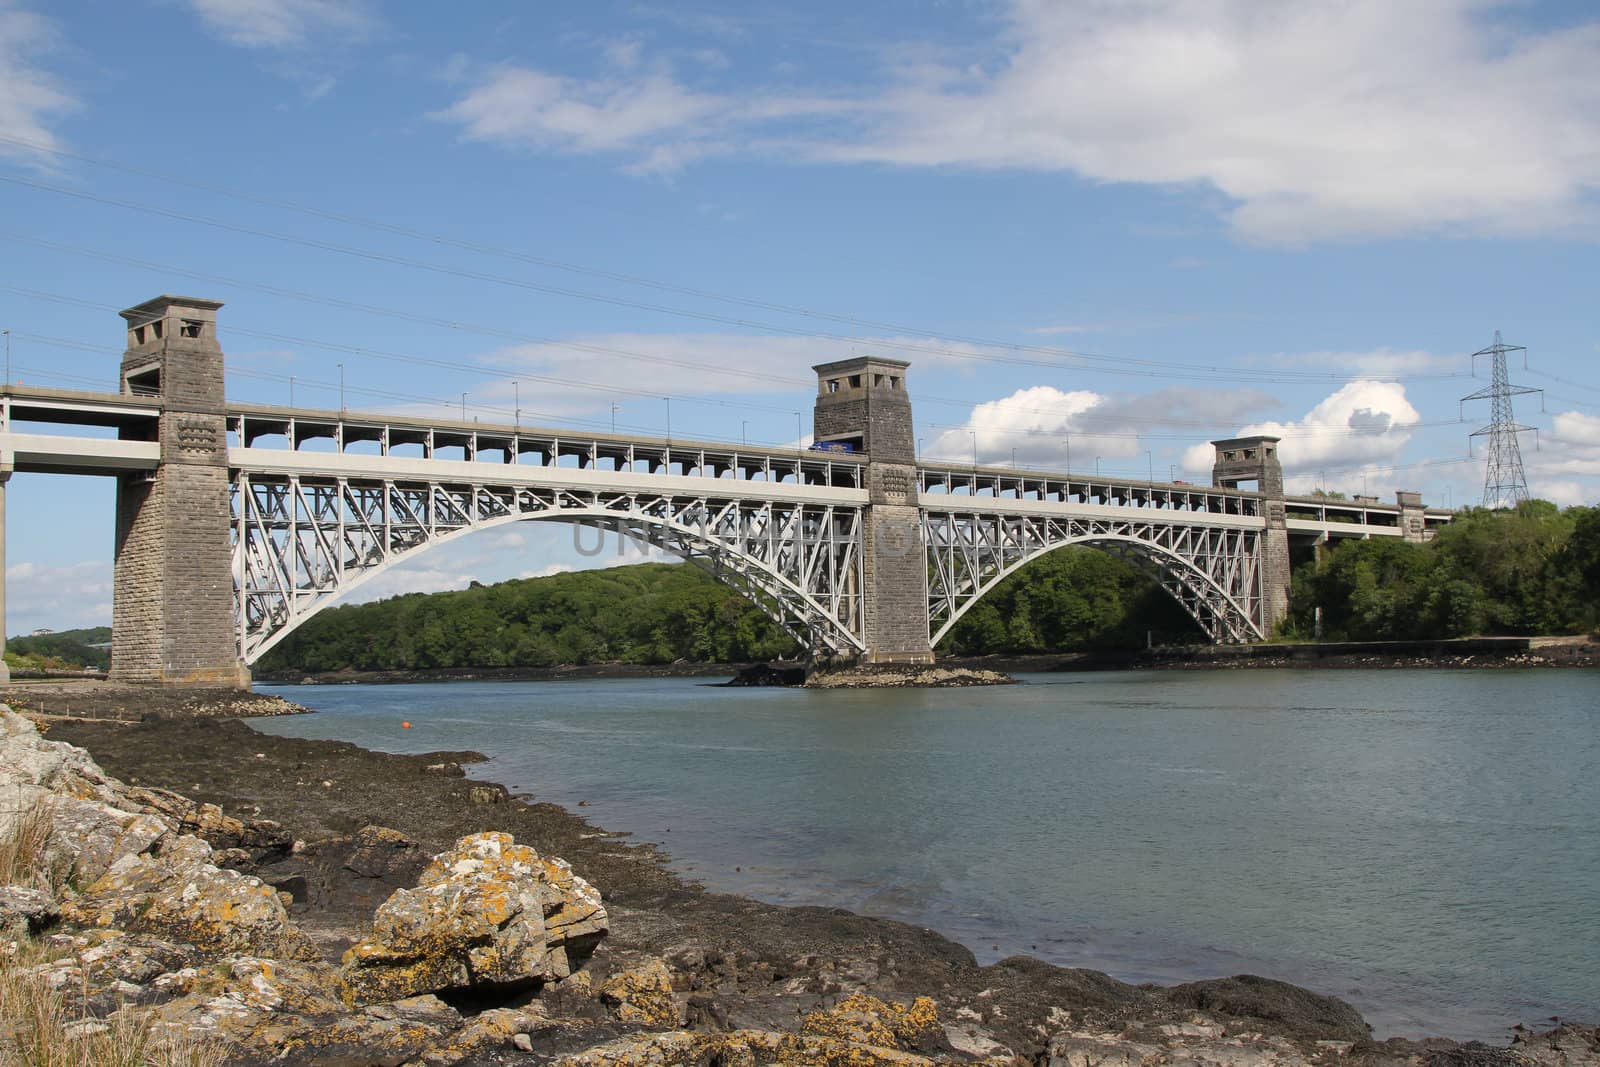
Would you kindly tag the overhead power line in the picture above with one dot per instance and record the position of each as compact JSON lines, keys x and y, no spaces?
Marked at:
{"x":1105,"y":363}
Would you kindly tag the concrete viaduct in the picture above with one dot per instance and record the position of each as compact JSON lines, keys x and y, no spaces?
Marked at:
{"x":237,"y":522}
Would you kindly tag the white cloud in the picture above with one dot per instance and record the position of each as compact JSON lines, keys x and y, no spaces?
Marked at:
{"x":1321,"y":119}
{"x":1376,"y":363}
{"x":1564,"y":465}
{"x":1363,"y":423}
{"x":518,"y":105}
{"x":62,"y":597}
{"x":1562,"y":492}
{"x":1050,"y":428}
{"x":1577,"y":428}
{"x":282,"y":23}
{"x":29,"y":96}
{"x":653,"y":365}
{"x":548,"y":570}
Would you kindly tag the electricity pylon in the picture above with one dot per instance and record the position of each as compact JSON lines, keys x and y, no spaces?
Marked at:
{"x":1504,"y":483}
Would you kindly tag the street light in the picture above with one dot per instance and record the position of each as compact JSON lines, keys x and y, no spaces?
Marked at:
{"x":1013,"y":457}
{"x":1097,"y":466}
{"x":291,"y":390}
{"x":341,"y":388}
{"x":463,"y":407}
{"x":516,"y":404}
{"x":744,"y":431}
{"x":668,"y":399}
{"x":613,"y":418}
{"x":973,"y":434}
{"x":8,"y":355}
{"x":1149,"y":466}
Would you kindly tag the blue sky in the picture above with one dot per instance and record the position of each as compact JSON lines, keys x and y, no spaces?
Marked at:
{"x":1119,"y":228}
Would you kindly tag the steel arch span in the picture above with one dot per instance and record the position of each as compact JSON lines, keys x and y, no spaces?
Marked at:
{"x":301,"y":542}
{"x":1213,"y":571}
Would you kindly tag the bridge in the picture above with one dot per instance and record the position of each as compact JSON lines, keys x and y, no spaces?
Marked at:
{"x":237,"y":522}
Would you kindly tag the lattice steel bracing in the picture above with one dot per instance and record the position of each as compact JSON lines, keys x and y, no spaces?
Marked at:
{"x":300,"y":541}
{"x":1505,"y":485}
{"x":1213,"y":571}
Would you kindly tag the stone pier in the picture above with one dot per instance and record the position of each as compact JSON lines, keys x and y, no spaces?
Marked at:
{"x":173,"y":609}
{"x":1252,"y":463}
{"x":862,"y":404}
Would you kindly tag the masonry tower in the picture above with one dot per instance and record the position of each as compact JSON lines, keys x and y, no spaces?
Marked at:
{"x":863,"y":403}
{"x":173,"y":607}
{"x":1241,"y":460}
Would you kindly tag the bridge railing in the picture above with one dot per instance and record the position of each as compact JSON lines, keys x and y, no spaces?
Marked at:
{"x":1364,"y":513}
{"x":293,"y":429}
{"x":1004,"y":483}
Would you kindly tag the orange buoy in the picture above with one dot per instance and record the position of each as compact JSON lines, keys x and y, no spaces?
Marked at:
{"x":405,"y":726}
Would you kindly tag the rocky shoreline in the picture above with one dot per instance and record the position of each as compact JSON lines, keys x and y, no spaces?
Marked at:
{"x":332,"y":835}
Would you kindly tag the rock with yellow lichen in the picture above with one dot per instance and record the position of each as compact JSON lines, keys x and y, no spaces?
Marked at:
{"x":641,"y":994}
{"x":866,"y":1020}
{"x":175,"y":893}
{"x":489,"y":913}
{"x":247,"y":1006}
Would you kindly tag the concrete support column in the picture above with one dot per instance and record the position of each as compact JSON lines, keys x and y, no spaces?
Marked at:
{"x":1413,"y":518}
{"x":1252,"y":463}
{"x":863,"y":406}
{"x":173,"y":615}
{"x":5,"y":476}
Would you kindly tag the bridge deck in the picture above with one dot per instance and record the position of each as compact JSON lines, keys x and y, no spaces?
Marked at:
{"x":332,"y":444}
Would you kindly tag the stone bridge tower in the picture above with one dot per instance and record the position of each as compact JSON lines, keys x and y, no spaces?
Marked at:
{"x":862,"y":403}
{"x":173,"y":608}
{"x":1242,"y":460}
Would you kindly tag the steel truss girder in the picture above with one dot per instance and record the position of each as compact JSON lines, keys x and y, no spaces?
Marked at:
{"x":1213,"y":571}
{"x":300,"y":542}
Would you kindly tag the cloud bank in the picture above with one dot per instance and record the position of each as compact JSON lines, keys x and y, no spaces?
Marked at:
{"x":1316,"y":120}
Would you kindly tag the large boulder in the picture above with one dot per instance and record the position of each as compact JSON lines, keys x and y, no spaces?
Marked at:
{"x":177,"y":894}
{"x":30,"y":767}
{"x":488,"y":913}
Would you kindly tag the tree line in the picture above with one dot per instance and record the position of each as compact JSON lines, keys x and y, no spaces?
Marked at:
{"x":1532,"y":570}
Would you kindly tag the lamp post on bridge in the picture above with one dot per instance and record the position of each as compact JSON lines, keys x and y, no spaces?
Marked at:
{"x":1149,"y":466}
{"x":463,"y":407}
{"x":668,"y":399}
{"x":341,"y":389}
{"x":613,"y":418}
{"x":974,"y":435}
{"x":291,"y":390}
{"x":744,"y":431}
{"x":516,"y":405}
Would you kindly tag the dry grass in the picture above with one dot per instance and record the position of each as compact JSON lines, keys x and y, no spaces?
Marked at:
{"x":41,"y":1026}
{"x":22,"y":846}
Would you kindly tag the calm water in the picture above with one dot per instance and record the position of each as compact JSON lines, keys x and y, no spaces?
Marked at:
{"x":1425,"y":844}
